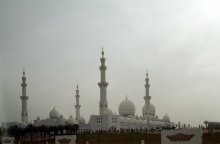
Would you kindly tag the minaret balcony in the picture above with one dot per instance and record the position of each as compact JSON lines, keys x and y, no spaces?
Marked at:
{"x":103,"y":84}
{"x":102,"y":59}
{"x":77,"y":106}
{"x":147,"y":97}
{"x":147,"y":85}
{"x":24,"y":97}
{"x":102,"y":68}
{"x":23,"y":84}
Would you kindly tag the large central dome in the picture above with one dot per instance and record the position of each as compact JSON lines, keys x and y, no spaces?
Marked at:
{"x":54,"y":114}
{"x":126,"y":108}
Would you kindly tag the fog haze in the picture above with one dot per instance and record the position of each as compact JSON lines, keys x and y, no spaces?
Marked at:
{"x":58,"y":43}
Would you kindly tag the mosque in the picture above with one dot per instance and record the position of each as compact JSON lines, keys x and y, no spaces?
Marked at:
{"x":105,"y":120}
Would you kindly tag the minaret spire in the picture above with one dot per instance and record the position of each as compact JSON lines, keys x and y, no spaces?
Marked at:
{"x":103,"y":104}
{"x":147,"y":97}
{"x":102,"y":52}
{"x":24,"y":98}
{"x":23,"y":73}
{"x":77,"y":106}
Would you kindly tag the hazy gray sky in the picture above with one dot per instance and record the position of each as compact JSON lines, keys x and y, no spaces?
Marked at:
{"x":59,"y":45}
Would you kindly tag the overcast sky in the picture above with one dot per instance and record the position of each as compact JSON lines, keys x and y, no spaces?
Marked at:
{"x":59,"y":45}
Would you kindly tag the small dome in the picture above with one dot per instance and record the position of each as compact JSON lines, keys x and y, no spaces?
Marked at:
{"x":82,"y":120}
{"x":110,"y":111}
{"x":131,"y":116}
{"x":38,"y":118}
{"x":54,"y":114}
{"x":126,"y":107}
{"x":140,"y":122}
{"x":152,"y":122}
{"x":122,"y":119}
{"x":156,"y":123}
{"x":166,"y":118}
{"x":22,"y":125}
{"x":129,"y":121}
{"x":71,"y":120}
{"x":134,"y":121}
{"x":151,"y":110}
{"x":145,"y":121}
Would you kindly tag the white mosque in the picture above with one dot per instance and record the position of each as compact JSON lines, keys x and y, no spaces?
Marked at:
{"x":105,"y":120}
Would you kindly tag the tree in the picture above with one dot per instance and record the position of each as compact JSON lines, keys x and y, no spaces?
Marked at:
{"x":13,"y":131}
{"x":42,"y":130}
{"x":206,"y":123}
{"x":75,"y":128}
{"x":1,"y":131}
{"x":61,"y":128}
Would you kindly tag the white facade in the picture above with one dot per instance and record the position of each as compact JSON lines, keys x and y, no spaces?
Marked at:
{"x":105,"y":120}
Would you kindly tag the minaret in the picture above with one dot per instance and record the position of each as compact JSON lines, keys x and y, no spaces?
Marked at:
{"x":24,"y":98}
{"x":103,"y":104}
{"x":77,"y":106}
{"x":147,"y":97}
